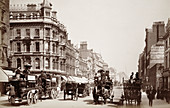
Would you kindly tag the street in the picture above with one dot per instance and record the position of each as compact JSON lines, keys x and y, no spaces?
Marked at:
{"x":82,"y":102}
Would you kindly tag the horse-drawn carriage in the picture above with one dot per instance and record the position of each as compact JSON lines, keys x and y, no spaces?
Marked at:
{"x":71,"y":89}
{"x":132,"y":91}
{"x":28,"y":87}
{"x":83,"y":89}
{"x":21,"y":89}
{"x":103,"y":87}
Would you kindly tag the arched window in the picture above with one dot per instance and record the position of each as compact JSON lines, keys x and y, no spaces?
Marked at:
{"x":47,"y":63}
{"x":18,"y":62}
{"x":37,"y":63}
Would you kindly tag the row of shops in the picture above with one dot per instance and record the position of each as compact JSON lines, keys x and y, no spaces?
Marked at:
{"x":5,"y":75}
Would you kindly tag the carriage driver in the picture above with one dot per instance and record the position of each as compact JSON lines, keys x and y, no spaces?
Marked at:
{"x":26,"y":71}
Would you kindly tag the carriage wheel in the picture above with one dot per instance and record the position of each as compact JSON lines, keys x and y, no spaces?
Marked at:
{"x":64,"y":95}
{"x":52,"y":94}
{"x":72,"y":96}
{"x":55,"y":94}
{"x":9,"y":98}
{"x":76,"y":95}
{"x":29,"y":98}
{"x":35,"y":98}
{"x":104,"y":100}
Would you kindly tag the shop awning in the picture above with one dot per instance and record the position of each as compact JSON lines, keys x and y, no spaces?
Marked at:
{"x":70,"y":78}
{"x":9,"y":73}
{"x":64,"y":77}
{"x":77,"y":79}
{"x":85,"y":80}
{"x":3,"y":76}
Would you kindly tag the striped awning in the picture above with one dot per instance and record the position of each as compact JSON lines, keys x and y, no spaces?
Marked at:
{"x":3,"y":76}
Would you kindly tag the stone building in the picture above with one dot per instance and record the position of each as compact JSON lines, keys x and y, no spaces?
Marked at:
{"x":71,"y":59}
{"x":37,"y":38}
{"x":4,"y":43}
{"x":87,"y":55}
{"x":166,"y":70}
{"x":153,"y":54}
{"x":4,"y":32}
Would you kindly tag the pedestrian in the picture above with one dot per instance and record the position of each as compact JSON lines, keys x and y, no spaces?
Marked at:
{"x":151,"y":95}
{"x":131,"y":78}
{"x":43,"y":77}
{"x":158,"y":93}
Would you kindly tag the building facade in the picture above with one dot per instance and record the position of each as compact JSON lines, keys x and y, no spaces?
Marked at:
{"x":37,"y":38}
{"x":4,"y":43}
{"x":153,"y":55}
{"x":4,"y":32}
{"x":166,"y":70}
{"x":71,"y":59}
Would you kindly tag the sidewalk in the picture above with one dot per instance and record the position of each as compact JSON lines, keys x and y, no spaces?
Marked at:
{"x":157,"y":103}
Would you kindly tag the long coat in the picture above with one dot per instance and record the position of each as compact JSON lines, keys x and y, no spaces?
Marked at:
{"x":151,"y":94}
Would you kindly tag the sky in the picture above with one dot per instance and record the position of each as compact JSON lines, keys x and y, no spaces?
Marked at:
{"x":113,"y":28}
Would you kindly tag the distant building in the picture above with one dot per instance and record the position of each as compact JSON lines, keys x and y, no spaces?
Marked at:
{"x":71,"y":58}
{"x":166,"y":70}
{"x":87,"y":55}
{"x":153,"y":55}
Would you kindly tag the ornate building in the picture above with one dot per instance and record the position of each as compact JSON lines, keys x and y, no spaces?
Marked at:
{"x":71,"y":58}
{"x":4,"y":43}
{"x":37,"y":38}
{"x":166,"y":70}
{"x":4,"y":32}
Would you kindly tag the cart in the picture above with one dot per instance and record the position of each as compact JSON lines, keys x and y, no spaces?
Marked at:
{"x":132,"y":91}
{"x":71,"y":89}
{"x":103,"y":87}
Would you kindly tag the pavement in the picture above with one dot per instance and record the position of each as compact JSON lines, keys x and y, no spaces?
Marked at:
{"x":157,"y":103}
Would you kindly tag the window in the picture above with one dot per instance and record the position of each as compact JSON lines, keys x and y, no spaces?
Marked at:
{"x":47,"y":32}
{"x":54,"y":63}
{"x":47,"y":46}
{"x":18,"y":47}
{"x":47,"y":63}
{"x":27,"y":32}
{"x":28,"y":47}
{"x":2,"y":38}
{"x":53,"y":34}
{"x":37,"y":63}
{"x":53,"y":48}
{"x":11,"y":32}
{"x":166,"y":44}
{"x":28,"y":60}
{"x":18,"y":32}
{"x":61,"y":51}
{"x":166,"y":61}
{"x":37,"y":32}
{"x":61,"y":66}
{"x":37,"y":46}
{"x":2,"y":17}
{"x":18,"y":62}
{"x":47,"y":13}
